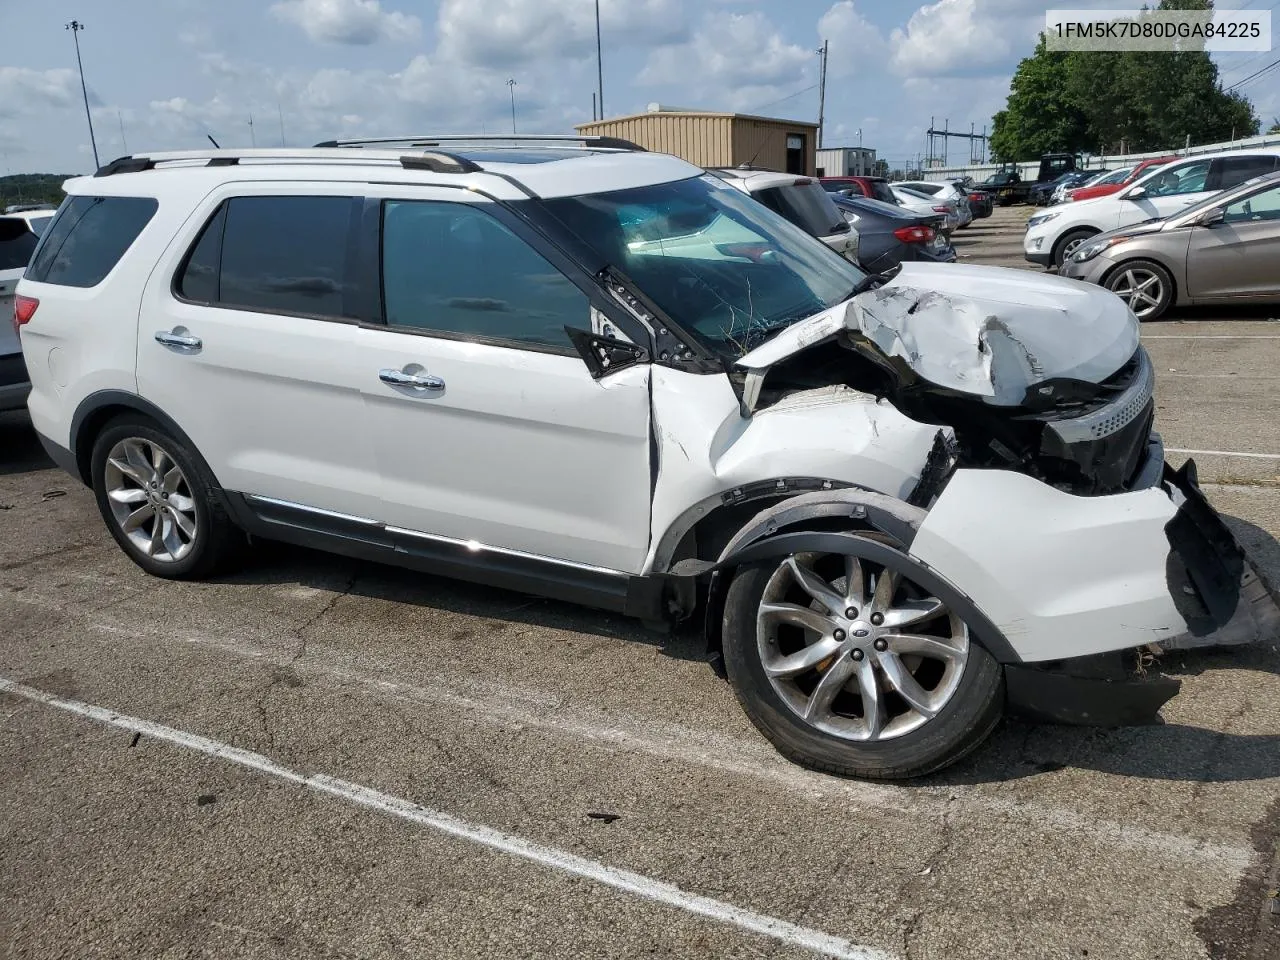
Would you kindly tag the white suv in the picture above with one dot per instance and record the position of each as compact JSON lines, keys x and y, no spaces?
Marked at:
{"x":1054,"y":235}
{"x":802,"y":200}
{"x":601,"y":374}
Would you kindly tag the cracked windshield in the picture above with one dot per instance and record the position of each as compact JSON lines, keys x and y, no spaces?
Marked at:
{"x":713,"y":259}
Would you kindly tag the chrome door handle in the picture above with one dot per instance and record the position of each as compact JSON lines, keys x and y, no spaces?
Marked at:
{"x":178,"y":340}
{"x":422,"y":381}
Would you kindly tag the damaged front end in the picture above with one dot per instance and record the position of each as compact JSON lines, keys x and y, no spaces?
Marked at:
{"x":1056,"y":513}
{"x":1034,"y":374}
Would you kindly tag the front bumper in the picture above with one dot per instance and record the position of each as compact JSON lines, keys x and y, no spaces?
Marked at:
{"x":1038,"y":249}
{"x":1094,"y":270}
{"x":1064,"y":577}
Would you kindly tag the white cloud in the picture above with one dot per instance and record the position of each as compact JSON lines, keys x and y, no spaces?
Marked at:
{"x":855,"y":44}
{"x":738,"y":59}
{"x":505,"y":32}
{"x":347,"y":21}
{"x":26,"y":91}
{"x":948,"y":37}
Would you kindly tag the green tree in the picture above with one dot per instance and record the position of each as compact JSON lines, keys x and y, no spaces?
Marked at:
{"x":1275,"y":125}
{"x":1106,"y":102}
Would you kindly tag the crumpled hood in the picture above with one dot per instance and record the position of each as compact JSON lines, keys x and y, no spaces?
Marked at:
{"x":988,"y":331}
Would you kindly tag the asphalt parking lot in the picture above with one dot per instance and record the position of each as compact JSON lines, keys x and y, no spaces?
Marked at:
{"x":323,"y":758}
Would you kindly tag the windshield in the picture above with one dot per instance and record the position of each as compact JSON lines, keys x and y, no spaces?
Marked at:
{"x":723,"y":266}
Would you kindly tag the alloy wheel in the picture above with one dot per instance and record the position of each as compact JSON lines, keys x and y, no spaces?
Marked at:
{"x":1070,"y":248}
{"x":1141,"y":289}
{"x":858,"y":650}
{"x":150,"y":499}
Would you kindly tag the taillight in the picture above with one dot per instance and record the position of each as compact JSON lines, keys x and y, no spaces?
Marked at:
{"x":975,"y":198}
{"x":941,"y":210}
{"x":914,"y":234}
{"x":24,"y":308}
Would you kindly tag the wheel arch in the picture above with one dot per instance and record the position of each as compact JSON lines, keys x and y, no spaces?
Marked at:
{"x":98,"y":409}
{"x":841,"y":513}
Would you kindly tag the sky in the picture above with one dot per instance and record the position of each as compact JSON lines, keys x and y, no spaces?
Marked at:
{"x":163,"y":74}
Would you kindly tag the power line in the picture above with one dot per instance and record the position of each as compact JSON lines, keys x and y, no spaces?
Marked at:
{"x":792,"y":96}
{"x":1254,"y":76}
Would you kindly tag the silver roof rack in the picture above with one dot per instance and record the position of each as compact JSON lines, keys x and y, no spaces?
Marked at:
{"x":438,"y":161}
{"x":541,"y":139}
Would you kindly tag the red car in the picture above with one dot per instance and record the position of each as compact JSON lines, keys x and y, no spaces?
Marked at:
{"x":1105,"y":189}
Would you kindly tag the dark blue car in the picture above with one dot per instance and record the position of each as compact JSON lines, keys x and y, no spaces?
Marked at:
{"x":889,"y":235}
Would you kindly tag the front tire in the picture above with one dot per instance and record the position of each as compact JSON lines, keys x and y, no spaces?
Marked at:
{"x":895,"y":690}
{"x":1067,"y":245}
{"x":160,"y":501}
{"x":1144,"y":285}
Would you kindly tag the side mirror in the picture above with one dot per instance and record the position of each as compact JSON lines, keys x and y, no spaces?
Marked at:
{"x":1136,"y":193}
{"x":1211,"y":216}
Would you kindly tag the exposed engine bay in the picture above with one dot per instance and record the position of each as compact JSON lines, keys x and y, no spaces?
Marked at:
{"x":1047,"y":379}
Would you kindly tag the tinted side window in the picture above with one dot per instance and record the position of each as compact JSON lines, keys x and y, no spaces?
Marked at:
{"x":452,"y":268}
{"x":198,"y":279}
{"x":16,"y":243}
{"x":88,"y":237}
{"x":1234,"y":171}
{"x":286,"y":254}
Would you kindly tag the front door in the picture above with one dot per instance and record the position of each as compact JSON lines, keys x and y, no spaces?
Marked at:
{"x":488,"y":425}
{"x":1166,"y":193}
{"x":1238,"y":256}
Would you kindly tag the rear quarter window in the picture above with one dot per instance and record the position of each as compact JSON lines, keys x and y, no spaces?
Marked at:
{"x":87,"y":238}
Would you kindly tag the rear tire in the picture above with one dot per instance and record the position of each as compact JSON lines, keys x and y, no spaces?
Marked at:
{"x":895,"y":705}
{"x":161,"y":502}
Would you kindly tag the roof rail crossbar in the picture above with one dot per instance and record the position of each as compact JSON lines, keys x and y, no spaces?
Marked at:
{"x":437,"y":161}
{"x":427,"y":140}
{"x":125,"y":165}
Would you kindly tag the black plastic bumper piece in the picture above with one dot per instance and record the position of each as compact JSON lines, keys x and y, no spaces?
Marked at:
{"x":1044,"y":259}
{"x":1087,"y":691}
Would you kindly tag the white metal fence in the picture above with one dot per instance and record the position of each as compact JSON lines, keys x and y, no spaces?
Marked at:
{"x":1031,"y":169}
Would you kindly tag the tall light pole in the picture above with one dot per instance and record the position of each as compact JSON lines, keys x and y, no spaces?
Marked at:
{"x":75,"y":26}
{"x":599,"y":63}
{"x":822,"y":89}
{"x":511,"y":85}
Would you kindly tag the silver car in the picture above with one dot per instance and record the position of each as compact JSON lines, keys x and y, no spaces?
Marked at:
{"x":1223,"y":249}
{"x":928,"y":206}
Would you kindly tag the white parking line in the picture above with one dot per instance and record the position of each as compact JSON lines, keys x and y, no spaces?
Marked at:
{"x":1224,"y":453}
{"x":509,"y":705}
{"x":551,"y":857}
{"x":1209,"y":336}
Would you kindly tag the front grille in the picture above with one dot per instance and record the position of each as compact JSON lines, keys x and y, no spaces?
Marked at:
{"x":1121,"y":399}
{"x":1101,"y":447}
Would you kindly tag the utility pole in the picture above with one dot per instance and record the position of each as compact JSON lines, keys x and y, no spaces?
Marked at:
{"x":822,"y":91}
{"x":599,"y":63}
{"x":511,"y":85}
{"x":253,"y":140}
{"x":593,"y":106}
{"x":75,"y":26}
{"x":280,"y":112}
{"x":123,"y":141}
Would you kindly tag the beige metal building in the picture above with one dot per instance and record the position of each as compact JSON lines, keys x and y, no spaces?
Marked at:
{"x":717,"y":139}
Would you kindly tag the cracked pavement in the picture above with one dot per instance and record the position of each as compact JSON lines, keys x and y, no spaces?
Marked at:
{"x":583,"y":732}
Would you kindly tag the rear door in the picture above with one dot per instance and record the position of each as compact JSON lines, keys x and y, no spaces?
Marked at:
{"x":488,"y":426}
{"x":249,"y":340}
{"x":1238,"y":256}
